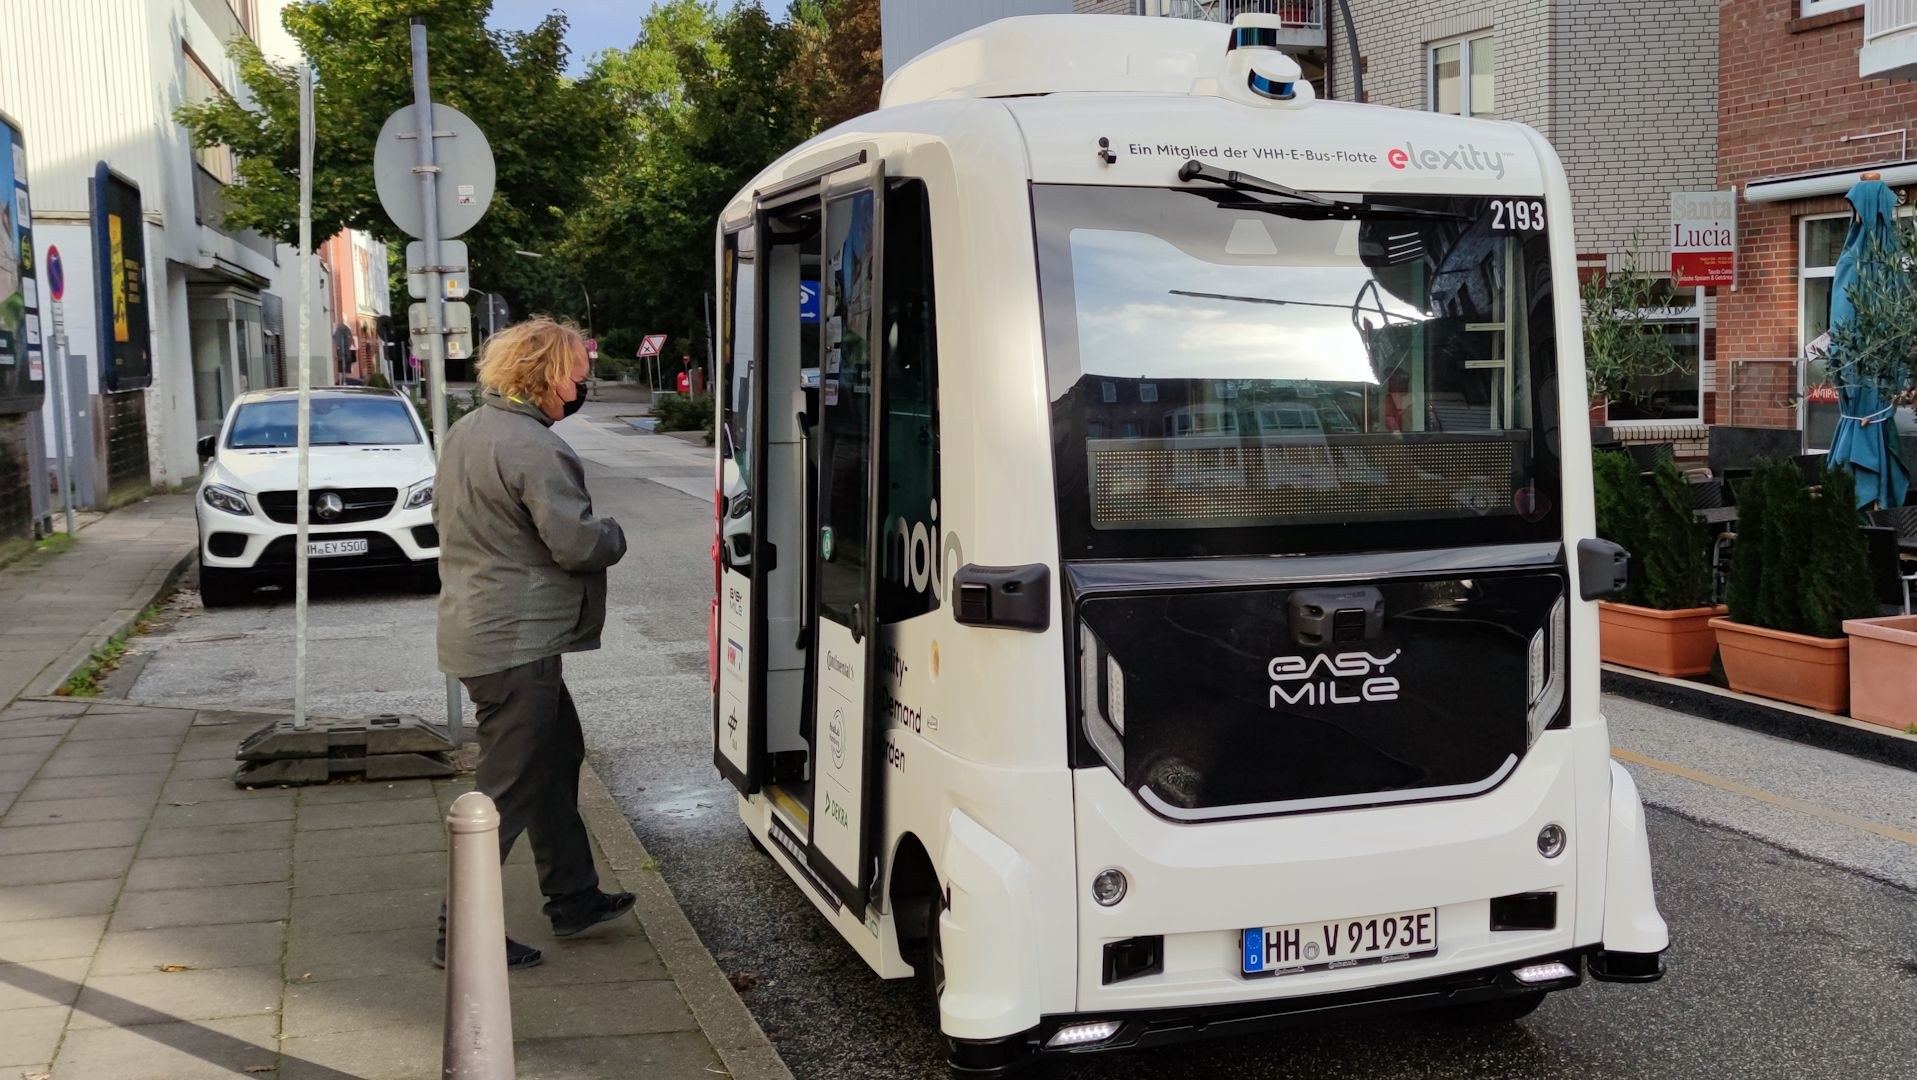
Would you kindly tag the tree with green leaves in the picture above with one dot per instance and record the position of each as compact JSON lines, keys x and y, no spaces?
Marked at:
{"x":1878,"y":344}
{"x":550,"y":135}
{"x":711,"y":105}
{"x":1622,"y":345}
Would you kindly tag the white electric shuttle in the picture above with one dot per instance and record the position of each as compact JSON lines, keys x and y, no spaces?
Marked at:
{"x":1155,"y":545}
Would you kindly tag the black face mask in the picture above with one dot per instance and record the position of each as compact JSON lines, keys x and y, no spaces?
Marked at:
{"x":578,"y":402}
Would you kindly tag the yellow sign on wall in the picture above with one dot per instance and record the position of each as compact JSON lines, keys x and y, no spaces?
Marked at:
{"x":117,"y":264}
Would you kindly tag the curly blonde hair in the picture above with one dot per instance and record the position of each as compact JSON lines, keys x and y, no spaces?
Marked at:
{"x":528,"y":360}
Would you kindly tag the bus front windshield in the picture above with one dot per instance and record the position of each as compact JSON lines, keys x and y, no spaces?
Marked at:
{"x":1233,"y":375}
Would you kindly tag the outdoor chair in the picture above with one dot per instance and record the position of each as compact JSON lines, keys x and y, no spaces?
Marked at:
{"x":1887,"y":574}
{"x":1899,"y":524}
{"x":1711,"y":493}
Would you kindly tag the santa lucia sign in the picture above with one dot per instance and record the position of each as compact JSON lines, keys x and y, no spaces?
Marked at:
{"x":1703,"y":238}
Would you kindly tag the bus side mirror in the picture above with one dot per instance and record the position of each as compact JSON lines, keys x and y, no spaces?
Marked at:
{"x":207,"y":447}
{"x":1603,"y":569}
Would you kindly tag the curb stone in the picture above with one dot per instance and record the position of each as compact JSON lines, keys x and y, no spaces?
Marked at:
{"x":1886,"y":746}
{"x":741,"y":1045}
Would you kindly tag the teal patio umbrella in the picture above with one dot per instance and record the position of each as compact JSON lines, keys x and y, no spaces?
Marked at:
{"x":1866,"y":437}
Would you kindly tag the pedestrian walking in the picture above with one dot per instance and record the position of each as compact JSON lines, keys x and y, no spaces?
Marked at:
{"x":523,"y":561}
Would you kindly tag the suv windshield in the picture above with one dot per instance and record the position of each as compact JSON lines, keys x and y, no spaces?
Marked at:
{"x":337,"y":421}
{"x":1231,"y":376}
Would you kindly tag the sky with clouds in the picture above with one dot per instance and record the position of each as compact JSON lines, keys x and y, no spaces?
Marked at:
{"x":594,"y":24}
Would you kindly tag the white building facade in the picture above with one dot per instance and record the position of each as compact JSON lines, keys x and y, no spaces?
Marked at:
{"x":98,"y":82}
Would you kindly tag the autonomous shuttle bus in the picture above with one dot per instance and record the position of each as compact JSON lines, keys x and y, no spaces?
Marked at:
{"x":1154,"y":549}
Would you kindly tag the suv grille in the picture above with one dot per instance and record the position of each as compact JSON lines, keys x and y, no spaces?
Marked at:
{"x":356,"y":504}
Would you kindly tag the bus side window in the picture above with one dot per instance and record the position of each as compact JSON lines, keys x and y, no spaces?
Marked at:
{"x":909,"y":540}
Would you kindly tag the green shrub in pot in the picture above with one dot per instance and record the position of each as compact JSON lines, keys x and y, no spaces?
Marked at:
{"x":1800,"y":564}
{"x":1652,"y":518}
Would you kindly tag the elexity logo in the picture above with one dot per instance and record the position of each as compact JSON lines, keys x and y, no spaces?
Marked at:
{"x":1465,"y":157}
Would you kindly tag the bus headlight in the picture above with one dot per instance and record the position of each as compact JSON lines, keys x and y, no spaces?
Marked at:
{"x":1109,"y":887}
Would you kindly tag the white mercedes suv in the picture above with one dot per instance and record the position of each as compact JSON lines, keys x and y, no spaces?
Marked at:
{"x":370,"y":483}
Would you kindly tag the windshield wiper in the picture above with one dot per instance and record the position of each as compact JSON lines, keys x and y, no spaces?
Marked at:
{"x":1237,"y":181}
{"x":1303,"y":204}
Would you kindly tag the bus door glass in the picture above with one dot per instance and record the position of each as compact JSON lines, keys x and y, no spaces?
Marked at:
{"x":846,"y":544}
{"x":735,"y":742}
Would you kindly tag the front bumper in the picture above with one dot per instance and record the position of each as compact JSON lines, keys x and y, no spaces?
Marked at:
{"x":401,"y":539}
{"x":1146,"y":1028}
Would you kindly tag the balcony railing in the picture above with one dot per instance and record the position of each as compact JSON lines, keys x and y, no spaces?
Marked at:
{"x":1890,"y":40}
{"x":1301,"y":14}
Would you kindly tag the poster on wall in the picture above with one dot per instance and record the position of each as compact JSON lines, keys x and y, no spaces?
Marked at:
{"x":22,"y":369}
{"x":120,"y":272}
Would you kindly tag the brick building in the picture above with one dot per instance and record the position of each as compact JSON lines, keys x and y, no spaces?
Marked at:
{"x":1797,"y":126}
{"x":1626,"y":93}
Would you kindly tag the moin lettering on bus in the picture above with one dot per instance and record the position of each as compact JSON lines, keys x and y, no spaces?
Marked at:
{"x":915,"y":554}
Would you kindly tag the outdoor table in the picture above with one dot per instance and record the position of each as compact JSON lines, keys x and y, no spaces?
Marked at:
{"x":1717,"y":515}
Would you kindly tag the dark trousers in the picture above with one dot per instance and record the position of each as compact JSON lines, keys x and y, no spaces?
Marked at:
{"x":530,"y":752}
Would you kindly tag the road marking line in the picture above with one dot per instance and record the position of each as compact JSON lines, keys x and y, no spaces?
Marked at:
{"x":1737,"y":787}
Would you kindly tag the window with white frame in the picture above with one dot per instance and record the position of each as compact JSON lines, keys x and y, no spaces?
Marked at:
{"x":1463,"y":76}
{"x":1676,"y":396}
{"x":1807,"y":8}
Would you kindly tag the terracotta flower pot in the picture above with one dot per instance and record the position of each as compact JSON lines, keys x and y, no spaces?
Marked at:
{"x":1803,"y":670}
{"x":1677,"y":642}
{"x":1883,"y":670}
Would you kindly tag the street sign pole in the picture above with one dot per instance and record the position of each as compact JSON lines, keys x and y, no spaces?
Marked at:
{"x":57,"y":280}
{"x":428,"y":172}
{"x":302,"y":512}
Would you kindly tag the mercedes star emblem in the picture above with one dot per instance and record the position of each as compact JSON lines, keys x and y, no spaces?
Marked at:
{"x":328,"y":505}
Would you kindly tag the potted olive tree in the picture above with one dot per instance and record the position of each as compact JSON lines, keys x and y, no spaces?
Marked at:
{"x":1663,"y":622}
{"x":1876,"y":346}
{"x":1798,"y":571}
{"x":1623,"y":347}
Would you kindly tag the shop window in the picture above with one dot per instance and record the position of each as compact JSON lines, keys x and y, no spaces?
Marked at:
{"x":1675,"y":396}
{"x":1463,"y":76}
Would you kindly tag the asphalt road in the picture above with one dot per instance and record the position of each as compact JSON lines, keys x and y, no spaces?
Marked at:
{"x":1786,"y":962}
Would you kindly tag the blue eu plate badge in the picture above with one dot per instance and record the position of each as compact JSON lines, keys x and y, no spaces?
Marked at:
{"x":1255,"y":949}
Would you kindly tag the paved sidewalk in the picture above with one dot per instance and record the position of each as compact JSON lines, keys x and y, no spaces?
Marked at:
{"x":55,"y":609}
{"x":158,"y":923}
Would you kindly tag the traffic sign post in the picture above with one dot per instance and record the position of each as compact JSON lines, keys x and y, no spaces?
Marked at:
{"x":434,"y":172}
{"x":57,"y":283}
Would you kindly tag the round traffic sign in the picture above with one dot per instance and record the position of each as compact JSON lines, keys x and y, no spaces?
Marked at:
{"x":56,"y":274}
{"x":466,"y":171}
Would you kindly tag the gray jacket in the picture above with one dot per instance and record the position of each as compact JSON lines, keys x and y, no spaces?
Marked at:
{"x":522,"y":560}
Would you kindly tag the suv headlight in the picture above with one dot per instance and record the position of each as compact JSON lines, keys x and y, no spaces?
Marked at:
{"x":420,"y":494}
{"x":221,"y":497}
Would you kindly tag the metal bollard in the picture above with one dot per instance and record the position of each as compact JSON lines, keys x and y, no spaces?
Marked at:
{"x":479,"y":1014}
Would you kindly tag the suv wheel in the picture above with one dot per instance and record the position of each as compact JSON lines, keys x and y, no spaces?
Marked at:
{"x":221,"y":588}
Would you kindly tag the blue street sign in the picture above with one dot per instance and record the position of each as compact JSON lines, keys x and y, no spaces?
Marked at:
{"x":56,"y":274}
{"x":808,"y":301}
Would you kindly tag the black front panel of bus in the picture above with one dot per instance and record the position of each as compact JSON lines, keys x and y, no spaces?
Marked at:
{"x":1274,"y":698}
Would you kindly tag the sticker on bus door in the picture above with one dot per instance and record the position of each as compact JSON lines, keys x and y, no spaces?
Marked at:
{"x":841,"y":751}
{"x":735,"y":622}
